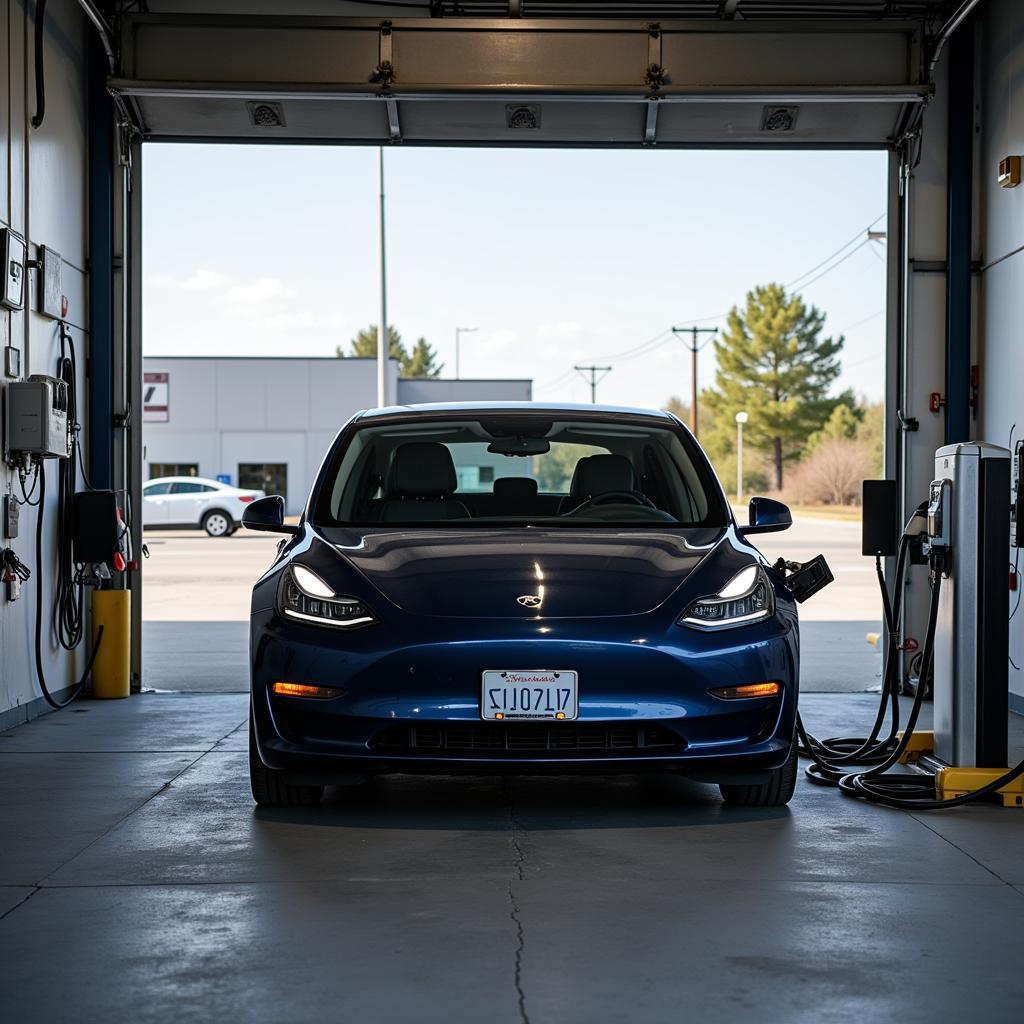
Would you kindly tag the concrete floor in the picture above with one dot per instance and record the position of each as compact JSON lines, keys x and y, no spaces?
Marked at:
{"x":138,"y":883}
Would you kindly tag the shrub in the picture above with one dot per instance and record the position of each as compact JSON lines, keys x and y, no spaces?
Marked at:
{"x":832,"y":475}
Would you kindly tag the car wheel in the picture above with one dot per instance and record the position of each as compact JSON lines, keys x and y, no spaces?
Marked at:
{"x":217,"y":523}
{"x":776,"y":792}
{"x":268,"y":789}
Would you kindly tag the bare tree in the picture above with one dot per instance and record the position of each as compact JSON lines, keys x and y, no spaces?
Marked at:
{"x":832,"y":475}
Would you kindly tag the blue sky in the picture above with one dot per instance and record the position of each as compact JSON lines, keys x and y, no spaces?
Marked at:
{"x":559,"y":257}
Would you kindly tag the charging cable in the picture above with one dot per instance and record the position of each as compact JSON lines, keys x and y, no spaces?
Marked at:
{"x":832,"y":758}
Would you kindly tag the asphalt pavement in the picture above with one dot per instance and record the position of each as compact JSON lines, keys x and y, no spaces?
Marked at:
{"x":196,"y":606}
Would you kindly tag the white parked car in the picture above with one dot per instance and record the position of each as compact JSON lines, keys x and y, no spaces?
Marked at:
{"x":194,"y":501}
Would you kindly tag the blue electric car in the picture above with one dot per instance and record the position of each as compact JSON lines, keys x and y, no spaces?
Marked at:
{"x":520,"y":588}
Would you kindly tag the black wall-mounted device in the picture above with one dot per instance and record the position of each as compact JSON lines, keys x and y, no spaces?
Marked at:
{"x":95,"y":527}
{"x":880,"y":523}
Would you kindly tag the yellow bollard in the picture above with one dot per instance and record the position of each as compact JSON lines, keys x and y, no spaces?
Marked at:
{"x":111,"y":671}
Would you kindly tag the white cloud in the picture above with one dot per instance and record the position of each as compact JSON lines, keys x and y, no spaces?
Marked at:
{"x":205,"y":281}
{"x":563,"y":329}
{"x":264,"y":291}
{"x":287,"y":321}
{"x":499,"y":341}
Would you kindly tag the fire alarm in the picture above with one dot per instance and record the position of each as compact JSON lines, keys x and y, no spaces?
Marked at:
{"x":1009,"y":172}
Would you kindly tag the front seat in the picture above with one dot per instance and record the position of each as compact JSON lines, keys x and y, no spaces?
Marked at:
{"x":596,"y":475}
{"x":420,"y":484}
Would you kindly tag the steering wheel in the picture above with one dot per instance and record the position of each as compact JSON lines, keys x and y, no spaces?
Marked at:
{"x":610,"y":497}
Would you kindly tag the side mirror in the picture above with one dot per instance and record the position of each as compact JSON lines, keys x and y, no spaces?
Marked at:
{"x":267,"y":514}
{"x":767,"y":516}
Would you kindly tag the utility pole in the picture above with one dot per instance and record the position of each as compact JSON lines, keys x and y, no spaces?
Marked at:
{"x":694,"y":349}
{"x":383,"y":348}
{"x":593,"y":380}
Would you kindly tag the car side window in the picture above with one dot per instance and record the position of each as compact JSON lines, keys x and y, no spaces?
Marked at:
{"x":152,"y":489}
{"x":183,"y":487}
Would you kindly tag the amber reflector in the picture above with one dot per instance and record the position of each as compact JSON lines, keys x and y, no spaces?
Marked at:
{"x":303,"y":690}
{"x":749,"y":690}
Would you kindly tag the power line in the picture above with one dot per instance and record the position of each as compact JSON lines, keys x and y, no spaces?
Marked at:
{"x":862,"y":234}
{"x":662,"y":337}
{"x":838,"y":263}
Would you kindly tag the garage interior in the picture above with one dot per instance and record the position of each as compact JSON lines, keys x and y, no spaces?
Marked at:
{"x":136,"y":879}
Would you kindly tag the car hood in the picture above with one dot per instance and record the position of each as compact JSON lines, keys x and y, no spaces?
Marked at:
{"x":483,"y":573}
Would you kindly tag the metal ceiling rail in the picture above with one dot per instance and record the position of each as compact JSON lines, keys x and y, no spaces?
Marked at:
{"x":688,"y":9}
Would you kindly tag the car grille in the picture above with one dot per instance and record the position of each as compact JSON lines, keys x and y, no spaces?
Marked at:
{"x":528,"y":738}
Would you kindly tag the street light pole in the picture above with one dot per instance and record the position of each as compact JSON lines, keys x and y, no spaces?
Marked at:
{"x":382,"y":326}
{"x":459,"y":331}
{"x":694,"y":349}
{"x":741,"y":418}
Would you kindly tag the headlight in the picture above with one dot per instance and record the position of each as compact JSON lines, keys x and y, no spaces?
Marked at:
{"x":305,"y":597}
{"x":746,"y":598}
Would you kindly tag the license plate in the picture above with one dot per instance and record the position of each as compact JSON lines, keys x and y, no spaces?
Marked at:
{"x":535,"y":694}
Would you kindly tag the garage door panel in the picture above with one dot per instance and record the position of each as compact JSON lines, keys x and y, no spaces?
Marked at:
{"x":790,"y":58}
{"x":459,"y":80}
{"x":228,"y":117}
{"x":271,"y":50}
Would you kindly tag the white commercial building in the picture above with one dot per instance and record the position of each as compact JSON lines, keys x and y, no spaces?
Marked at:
{"x":267,"y":422}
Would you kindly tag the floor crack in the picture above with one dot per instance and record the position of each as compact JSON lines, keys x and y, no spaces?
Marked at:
{"x":960,"y":849}
{"x":514,"y":912}
{"x":20,"y":902}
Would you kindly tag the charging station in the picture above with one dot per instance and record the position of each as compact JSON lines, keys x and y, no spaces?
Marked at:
{"x":970,"y":671}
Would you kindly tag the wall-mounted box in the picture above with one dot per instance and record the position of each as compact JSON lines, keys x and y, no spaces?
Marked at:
{"x":12,"y":271}
{"x":51,"y":288}
{"x":37,"y":418}
{"x":1009,"y":172}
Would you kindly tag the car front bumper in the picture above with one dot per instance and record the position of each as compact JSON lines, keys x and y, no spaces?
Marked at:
{"x":644,"y":700}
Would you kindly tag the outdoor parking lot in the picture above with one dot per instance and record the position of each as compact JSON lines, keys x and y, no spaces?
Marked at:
{"x":196,"y":607}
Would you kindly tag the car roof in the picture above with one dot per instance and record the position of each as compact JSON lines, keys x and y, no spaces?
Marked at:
{"x":532,"y":408}
{"x":185,"y":479}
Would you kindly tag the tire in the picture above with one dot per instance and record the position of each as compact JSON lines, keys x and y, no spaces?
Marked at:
{"x":268,"y":789}
{"x":217,"y":523}
{"x":776,"y":792}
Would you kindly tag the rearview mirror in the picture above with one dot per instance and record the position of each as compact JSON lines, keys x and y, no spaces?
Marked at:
{"x":767,"y":515}
{"x":519,"y":446}
{"x":267,"y":514}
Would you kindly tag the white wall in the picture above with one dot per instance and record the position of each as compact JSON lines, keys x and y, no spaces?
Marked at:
{"x":420,"y":392}
{"x":232,"y":410}
{"x":43,"y":197}
{"x":226,"y":411}
{"x":1001,"y":313}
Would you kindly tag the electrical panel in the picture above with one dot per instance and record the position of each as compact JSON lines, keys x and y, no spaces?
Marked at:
{"x":37,"y":418}
{"x":12,"y":270}
{"x":1017,"y":505}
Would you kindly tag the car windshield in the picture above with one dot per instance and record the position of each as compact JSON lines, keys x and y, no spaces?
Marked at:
{"x":518,"y":471}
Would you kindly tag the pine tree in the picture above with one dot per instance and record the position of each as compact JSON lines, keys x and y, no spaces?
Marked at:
{"x":774,"y":365}
{"x":422,"y":361}
{"x":364,"y":345}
